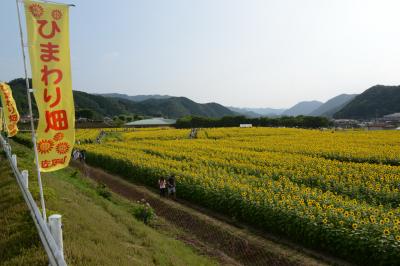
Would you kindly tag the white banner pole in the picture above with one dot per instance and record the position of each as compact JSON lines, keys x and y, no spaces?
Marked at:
{"x":28,"y":91}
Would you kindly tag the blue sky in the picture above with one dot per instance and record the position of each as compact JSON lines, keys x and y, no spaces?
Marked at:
{"x":254,"y":53}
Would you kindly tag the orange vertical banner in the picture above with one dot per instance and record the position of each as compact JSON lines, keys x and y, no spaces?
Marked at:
{"x":49,"y":53}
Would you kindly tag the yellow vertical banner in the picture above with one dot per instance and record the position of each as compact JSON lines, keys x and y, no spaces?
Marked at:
{"x":49,"y":53}
{"x":10,"y":112}
{"x":1,"y":119}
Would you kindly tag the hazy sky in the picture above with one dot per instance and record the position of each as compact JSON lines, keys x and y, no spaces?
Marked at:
{"x":266,"y":53}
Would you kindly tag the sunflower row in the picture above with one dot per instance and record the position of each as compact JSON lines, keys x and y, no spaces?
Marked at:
{"x":356,"y":146}
{"x":349,"y":209}
{"x":377,"y":184}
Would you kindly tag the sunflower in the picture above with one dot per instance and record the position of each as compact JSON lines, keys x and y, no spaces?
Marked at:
{"x":354,"y":226}
{"x":62,"y":148}
{"x":36,"y":10}
{"x":58,"y":136}
{"x":386,"y":231}
{"x":45,"y":146}
{"x":56,"y":14}
{"x":398,"y":237}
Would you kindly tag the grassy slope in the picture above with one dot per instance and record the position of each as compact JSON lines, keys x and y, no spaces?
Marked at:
{"x":19,"y":241}
{"x":99,"y":231}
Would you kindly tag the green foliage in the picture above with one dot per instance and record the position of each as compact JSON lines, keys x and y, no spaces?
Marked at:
{"x":85,"y":113}
{"x":74,"y":174}
{"x":24,"y":139}
{"x":143,"y":212}
{"x":18,"y":87}
{"x":103,"y":191}
{"x":235,"y":121}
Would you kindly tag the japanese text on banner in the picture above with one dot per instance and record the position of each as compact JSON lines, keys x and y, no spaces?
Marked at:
{"x":10,"y":111}
{"x":48,"y":39}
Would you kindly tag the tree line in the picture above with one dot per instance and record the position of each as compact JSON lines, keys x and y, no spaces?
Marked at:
{"x":234,"y":121}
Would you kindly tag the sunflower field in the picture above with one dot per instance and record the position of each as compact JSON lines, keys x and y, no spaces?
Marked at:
{"x":335,"y":191}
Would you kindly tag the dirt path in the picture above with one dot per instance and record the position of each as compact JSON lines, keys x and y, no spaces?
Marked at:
{"x":230,"y":245}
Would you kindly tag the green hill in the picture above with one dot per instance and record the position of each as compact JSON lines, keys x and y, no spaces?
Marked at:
{"x":377,"y":101}
{"x":97,"y":106}
{"x":136,"y":98}
{"x":176,"y":107}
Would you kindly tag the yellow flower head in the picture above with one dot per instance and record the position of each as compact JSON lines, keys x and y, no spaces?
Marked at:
{"x":386,"y":231}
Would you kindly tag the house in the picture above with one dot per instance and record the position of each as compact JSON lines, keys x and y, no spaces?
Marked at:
{"x":395,"y":117}
{"x":346,"y":123}
{"x":245,"y":125}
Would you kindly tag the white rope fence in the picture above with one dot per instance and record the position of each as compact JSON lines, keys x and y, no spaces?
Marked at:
{"x":50,"y":233}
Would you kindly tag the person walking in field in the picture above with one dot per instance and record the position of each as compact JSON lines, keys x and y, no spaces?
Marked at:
{"x":171,"y":187}
{"x":163,"y":186}
{"x":82,"y":156}
{"x":76,"y":154}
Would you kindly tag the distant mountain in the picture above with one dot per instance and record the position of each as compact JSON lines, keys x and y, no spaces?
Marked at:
{"x":99,"y":106}
{"x":333,"y":105}
{"x":302,"y":108}
{"x":376,"y":101}
{"x":257,"y":112}
{"x":135,"y":98}
{"x":267,"y":111}
{"x":244,"y":112}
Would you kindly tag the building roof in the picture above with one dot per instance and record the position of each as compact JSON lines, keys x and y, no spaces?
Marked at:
{"x":394,"y":115}
{"x":152,"y":122}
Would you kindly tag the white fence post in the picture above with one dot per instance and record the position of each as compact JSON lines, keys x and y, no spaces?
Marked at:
{"x":25,"y":179}
{"x":14,"y":160}
{"x":7,"y":148}
{"x":56,"y":231}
